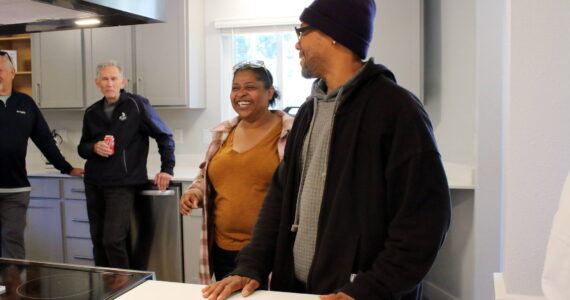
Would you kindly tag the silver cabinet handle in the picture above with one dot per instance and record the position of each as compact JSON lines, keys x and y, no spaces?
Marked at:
{"x":79,"y":220}
{"x":39,"y":97}
{"x":139,"y":86}
{"x":155,"y":193}
{"x":78,"y":190}
{"x":83,"y":257}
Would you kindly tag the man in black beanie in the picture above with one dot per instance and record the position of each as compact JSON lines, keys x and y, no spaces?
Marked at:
{"x":359,"y":207}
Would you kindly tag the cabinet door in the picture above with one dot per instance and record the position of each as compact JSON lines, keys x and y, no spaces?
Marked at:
{"x":191,"y":227}
{"x":102,"y":45}
{"x":43,"y":235}
{"x":161,"y":60}
{"x":79,"y":251}
{"x":58,"y":62}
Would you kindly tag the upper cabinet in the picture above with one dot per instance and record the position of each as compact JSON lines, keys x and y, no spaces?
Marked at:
{"x":163,"y":62}
{"x":169,"y":55}
{"x":104,"y":44}
{"x":57,"y":61}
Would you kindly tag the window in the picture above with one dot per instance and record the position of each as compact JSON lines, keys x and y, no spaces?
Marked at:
{"x":275,"y":45}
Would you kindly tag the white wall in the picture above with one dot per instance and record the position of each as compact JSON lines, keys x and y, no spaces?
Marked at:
{"x":450,"y":76}
{"x":398,"y":42}
{"x":450,"y":100}
{"x":538,"y":135}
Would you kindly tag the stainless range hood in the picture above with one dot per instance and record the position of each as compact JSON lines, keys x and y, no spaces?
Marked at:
{"x":27,"y":16}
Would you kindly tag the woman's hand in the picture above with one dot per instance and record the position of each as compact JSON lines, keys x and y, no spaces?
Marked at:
{"x":188,"y":202}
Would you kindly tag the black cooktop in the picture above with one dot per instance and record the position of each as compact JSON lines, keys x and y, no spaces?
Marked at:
{"x":38,"y":280}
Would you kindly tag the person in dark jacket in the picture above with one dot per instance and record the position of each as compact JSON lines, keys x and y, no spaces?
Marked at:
{"x":20,"y":120}
{"x":360,"y":205}
{"x":114,"y":171}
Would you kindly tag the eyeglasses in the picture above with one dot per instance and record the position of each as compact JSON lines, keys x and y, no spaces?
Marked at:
{"x":253,"y":64}
{"x":300,"y":30}
{"x":2,"y":53}
{"x":249,"y":64}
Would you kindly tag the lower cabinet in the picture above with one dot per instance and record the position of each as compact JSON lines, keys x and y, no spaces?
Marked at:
{"x":57,"y":225}
{"x":192,"y":229}
{"x":78,"y":246}
{"x":43,"y":235}
{"x":79,"y":251}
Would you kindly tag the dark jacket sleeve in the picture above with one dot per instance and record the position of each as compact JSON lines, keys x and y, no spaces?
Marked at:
{"x":85,"y":147}
{"x":159,"y":131}
{"x":418,"y":195}
{"x":42,"y":137}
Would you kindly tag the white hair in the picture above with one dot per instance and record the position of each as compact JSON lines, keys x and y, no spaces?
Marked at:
{"x":110,"y":63}
{"x":8,"y":61}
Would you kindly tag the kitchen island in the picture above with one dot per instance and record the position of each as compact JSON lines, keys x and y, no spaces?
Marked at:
{"x":151,"y":290}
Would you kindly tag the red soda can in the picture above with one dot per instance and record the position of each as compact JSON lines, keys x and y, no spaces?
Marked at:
{"x":110,"y":140}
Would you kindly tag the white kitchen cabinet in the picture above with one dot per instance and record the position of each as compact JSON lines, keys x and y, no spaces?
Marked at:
{"x":169,"y":57}
{"x":104,"y":44}
{"x":43,"y":235}
{"x":57,"y":61}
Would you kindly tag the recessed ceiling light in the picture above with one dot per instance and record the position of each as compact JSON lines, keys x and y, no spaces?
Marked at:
{"x":87,"y":22}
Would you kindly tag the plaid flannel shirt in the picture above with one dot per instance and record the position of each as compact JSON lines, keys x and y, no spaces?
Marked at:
{"x":219,"y":135}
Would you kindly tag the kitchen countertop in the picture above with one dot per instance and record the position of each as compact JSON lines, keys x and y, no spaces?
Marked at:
{"x":152,"y":289}
{"x":459,"y":176}
{"x":186,"y":168}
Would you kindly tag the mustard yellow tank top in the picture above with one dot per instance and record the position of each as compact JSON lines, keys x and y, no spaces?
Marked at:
{"x":241,"y":180}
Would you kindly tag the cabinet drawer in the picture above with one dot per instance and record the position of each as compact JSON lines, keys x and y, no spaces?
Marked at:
{"x":73,"y":189}
{"x":45,"y":188}
{"x":76,"y":220}
{"x":79,"y":251}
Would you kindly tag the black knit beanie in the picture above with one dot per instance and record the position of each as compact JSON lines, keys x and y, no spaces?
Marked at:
{"x":349,"y":22}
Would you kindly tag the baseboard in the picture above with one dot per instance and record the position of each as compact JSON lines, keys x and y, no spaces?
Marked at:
{"x":434,"y":292}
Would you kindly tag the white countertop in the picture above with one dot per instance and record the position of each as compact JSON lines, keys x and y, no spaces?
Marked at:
{"x":459,"y":176}
{"x":186,"y":168}
{"x":152,"y":290}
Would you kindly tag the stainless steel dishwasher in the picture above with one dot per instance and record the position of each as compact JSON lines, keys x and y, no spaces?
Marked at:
{"x":156,"y":233}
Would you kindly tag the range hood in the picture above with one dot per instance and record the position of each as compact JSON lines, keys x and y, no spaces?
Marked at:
{"x":28,"y":16}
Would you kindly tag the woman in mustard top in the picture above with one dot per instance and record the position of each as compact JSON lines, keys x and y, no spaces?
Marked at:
{"x":237,"y":171}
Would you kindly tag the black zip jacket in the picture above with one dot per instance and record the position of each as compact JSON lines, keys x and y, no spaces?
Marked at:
{"x":132,"y":123}
{"x":386,"y":203}
{"x":20,"y":120}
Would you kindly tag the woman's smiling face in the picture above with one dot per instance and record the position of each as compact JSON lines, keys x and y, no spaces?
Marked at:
{"x":250,"y":98}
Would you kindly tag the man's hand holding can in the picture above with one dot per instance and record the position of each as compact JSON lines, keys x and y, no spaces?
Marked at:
{"x":105,"y":147}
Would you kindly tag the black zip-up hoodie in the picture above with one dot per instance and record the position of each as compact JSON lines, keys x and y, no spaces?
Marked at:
{"x":386,"y":204}
{"x":20,"y":120}
{"x":132,"y":123}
